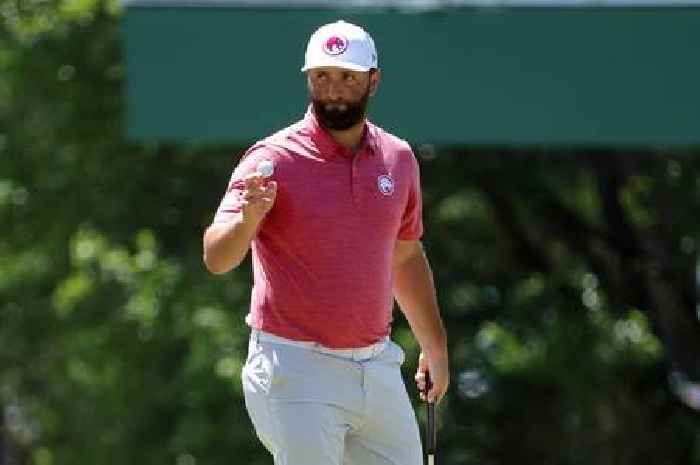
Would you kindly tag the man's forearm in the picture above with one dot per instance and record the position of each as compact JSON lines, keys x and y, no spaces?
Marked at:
{"x":414,"y":290}
{"x":226,"y":244}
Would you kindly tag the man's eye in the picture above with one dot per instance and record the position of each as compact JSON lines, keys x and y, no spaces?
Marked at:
{"x":350,"y":78}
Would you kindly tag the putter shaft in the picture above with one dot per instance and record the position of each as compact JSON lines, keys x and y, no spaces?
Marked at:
{"x":431,"y":430}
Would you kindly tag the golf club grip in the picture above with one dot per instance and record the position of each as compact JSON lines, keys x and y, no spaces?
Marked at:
{"x":431,"y":430}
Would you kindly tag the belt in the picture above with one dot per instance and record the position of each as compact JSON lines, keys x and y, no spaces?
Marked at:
{"x":357,"y":354}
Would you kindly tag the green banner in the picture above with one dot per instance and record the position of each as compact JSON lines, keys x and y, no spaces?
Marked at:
{"x":626,"y":76}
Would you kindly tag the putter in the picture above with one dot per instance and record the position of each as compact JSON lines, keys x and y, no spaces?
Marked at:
{"x":431,"y":430}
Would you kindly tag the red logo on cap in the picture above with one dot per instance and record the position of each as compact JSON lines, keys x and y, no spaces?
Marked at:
{"x":335,"y":45}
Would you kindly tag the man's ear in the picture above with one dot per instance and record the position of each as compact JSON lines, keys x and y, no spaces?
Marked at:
{"x":374,"y":77}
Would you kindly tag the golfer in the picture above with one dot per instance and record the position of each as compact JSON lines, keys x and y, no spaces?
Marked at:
{"x":331,"y":208}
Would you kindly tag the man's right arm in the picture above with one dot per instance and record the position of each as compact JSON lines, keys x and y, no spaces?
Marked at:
{"x":226,"y":243}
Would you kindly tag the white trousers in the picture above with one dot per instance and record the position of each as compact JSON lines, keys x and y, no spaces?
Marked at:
{"x":315,"y":406}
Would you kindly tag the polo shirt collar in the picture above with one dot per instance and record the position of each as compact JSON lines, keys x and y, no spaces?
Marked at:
{"x":328,"y":147}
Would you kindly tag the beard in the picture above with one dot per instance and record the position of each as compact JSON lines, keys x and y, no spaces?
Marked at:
{"x":330,"y":116}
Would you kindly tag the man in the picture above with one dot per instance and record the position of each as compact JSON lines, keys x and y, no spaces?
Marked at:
{"x":331,"y":207}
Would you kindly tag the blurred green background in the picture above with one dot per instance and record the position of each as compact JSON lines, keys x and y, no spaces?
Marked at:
{"x":567,"y":279}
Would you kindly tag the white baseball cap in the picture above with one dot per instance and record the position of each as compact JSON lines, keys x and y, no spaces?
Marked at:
{"x":342,"y":45}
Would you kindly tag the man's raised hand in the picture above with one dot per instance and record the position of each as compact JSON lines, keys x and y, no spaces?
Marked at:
{"x":258,"y":197}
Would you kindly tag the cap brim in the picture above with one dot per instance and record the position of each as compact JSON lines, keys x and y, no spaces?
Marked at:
{"x":350,"y":66}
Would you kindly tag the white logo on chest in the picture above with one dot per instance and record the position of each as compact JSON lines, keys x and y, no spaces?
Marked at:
{"x":385,"y":184}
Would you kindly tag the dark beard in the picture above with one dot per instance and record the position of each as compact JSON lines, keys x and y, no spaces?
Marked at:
{"x":340,"y":120}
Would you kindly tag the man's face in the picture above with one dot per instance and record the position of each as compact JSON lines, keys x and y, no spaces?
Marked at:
{"x":340,"y":96}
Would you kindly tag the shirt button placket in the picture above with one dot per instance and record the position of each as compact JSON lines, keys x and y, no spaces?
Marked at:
{"x":355,"y":179}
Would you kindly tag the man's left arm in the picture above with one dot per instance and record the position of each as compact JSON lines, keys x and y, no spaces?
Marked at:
{"x":414,"y":290}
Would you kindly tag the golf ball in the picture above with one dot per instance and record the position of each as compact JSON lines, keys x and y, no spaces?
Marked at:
{"x":266,"y":168}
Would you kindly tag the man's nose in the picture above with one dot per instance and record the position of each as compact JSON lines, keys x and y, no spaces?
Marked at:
{"x":334,"y":92}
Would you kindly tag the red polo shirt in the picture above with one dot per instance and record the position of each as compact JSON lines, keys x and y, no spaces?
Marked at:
{"x":322,"y":257}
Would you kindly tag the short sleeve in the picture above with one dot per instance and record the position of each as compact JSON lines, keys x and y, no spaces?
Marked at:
{"x":230,"y":205}
{"x":412,"y":219}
